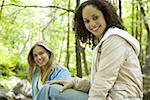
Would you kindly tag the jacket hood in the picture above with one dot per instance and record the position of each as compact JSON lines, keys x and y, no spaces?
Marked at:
{"x":124,"y":34}
{"x":114,"y":31}
{"x":43,"y":44}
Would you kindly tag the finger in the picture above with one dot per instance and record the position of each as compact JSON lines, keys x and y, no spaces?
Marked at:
{"x":64,"y":88}
{"x":67,"y":86}
{"x":56,"y":82}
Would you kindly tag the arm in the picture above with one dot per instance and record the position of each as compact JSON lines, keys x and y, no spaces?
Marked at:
{"x":76,"y":83}
{"x":62,"y":73}
{"x":108,"y":66}
{"x":81,"y":84}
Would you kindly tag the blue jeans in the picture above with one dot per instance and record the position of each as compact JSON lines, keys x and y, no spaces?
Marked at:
{"x":51,"y":92}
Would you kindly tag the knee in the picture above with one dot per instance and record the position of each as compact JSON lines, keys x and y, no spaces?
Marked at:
{"x":51,"y":88}
{"x":55,"y":87}
{"x":45,"y":86}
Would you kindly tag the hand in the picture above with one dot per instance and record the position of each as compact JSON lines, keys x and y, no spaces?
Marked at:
{"x":66,"y":84}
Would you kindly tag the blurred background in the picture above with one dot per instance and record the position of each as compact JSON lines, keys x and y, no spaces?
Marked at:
{"x":23,"y":22}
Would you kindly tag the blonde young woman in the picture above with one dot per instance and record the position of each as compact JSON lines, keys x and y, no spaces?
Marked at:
{"x":43,"y":68}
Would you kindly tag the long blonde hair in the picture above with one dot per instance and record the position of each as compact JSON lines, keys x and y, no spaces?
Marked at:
{"x":32,"y":64}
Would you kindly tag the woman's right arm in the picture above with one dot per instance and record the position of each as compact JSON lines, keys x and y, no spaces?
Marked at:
{"x":76,"y":83}
{"x":81,"y":84}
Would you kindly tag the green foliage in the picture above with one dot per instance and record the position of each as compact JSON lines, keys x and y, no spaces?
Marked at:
{"x":21,"y":72}
{"x":20,"y":27}
{"x":10,"y":64}
{"x":4,"y":84}
{"x":14,"y":1}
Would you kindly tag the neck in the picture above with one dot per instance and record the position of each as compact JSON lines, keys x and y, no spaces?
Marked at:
{"x":100,"y":37}
{"x":44,"y":69}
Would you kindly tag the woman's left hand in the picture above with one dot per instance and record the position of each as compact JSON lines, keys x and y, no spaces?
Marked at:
{"x":66,"y":84}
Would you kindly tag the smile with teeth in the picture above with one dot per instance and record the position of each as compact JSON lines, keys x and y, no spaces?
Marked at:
{"x":96,"y":28}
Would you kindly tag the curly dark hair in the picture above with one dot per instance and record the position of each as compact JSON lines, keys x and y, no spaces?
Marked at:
{"x":110,"y":15}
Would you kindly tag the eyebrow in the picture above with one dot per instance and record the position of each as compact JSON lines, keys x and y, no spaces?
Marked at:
{"x":85,"y":19}
{"x":93,"y":15}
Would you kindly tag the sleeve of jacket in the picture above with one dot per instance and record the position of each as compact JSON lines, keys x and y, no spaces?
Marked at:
{"x":81,"y":84}
{"x":109,"y":62}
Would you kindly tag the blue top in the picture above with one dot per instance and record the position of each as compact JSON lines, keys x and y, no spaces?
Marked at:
{"x":59,"y":73}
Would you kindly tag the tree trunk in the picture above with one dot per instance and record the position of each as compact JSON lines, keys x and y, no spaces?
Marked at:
{"x":120,"y":9}
{"x":78,"y":55}
{"x":132,"y":18}
{"x":137,"y":22}
{"x":147,"y":25}
{"x":68,"y":55}
{"x":141,"y":57}
{"x":78,"y":59}
{"x":1,"y":8}
{"x":85,"y":61}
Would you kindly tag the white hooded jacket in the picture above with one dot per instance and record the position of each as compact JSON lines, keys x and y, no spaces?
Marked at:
{"x":116,"y":72}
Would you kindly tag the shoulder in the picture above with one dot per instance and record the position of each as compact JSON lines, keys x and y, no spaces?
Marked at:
{"x":115,"y":34}
{"x":60,"y":68}
{"x":114,"y":40}
{"x":114,"y":44}
{"x":60,"y":73}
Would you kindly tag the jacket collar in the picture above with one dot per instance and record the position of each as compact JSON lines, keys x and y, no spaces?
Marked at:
{"x":116,"y":31}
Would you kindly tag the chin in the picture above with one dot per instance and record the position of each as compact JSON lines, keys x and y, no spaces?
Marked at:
{"x":95,"y":34}
{"x":41,"y":65}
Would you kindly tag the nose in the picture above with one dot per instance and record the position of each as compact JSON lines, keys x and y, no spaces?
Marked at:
{"x":38,"y":56}
{"x":92,"y":24}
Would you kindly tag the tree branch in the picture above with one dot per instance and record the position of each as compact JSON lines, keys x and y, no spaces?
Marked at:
{"x":1,"y":8}
{"x":34,"y":6}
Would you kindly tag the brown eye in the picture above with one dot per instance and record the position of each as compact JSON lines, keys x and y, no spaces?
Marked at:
{"x":40,"y":53}
{"x":95,"y":17}
{"x":34,"y":55}
{"x":86,"y":21}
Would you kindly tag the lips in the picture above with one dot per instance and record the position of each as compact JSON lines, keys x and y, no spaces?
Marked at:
{"x":96,"y":28}
{"x":40,"y":62}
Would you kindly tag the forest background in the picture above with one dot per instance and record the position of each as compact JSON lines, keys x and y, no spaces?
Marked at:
{"x":22,"y":22}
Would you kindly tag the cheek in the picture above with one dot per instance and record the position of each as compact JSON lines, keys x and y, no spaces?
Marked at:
{"x":35,"y":59}
{"x":103,"y":22}
{"x":47,"y":57}
{"x":87,"y":27}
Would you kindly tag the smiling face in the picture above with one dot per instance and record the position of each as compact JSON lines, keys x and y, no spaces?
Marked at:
{"x":40,"y":55}
{"x":94,"y":20}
